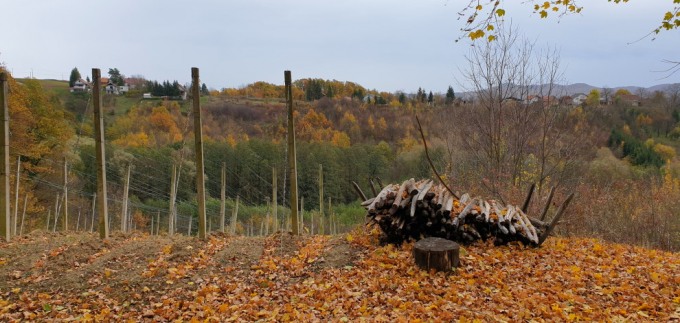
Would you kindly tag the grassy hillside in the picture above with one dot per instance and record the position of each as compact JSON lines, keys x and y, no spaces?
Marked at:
{"x":328,"y":278}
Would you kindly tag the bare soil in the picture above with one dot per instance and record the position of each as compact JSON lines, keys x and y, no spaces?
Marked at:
{"x":119,"y":268}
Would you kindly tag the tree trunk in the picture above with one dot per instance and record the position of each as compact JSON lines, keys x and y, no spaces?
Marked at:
{"x":436,"y":253}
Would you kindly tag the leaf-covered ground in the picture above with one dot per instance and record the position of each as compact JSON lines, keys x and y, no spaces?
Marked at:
{"x":47,"y":276}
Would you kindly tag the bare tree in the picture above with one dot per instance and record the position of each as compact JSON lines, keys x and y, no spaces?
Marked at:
{"x":607,"y":94}
{"x":514,"y":132}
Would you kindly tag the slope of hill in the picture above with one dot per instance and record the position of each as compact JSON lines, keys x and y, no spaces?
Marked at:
{"x":323,"y":278}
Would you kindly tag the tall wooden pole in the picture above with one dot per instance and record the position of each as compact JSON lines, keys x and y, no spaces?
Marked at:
{"x":94,"y":203}
{"x":4,"y":159}
{"x":234,"y":217}
{"x":16,"y":197}
{"x":301,"y":223}
{"x":173,"y":195}
{"x":266,"y":226}
{"x":100,"y":142}
{"x":223,"y":196}
{"x":331,"y":218}
{"x":78,"y":220}
{"x":321,"y":227}
{"x":23,"y":215}
{"x":56,"y":213}
{"x":275,"y":201}
{"x":292,"y":155}
{"x":124,"y":211}
{"x":65,"y":192}
{"x":200,"y":167}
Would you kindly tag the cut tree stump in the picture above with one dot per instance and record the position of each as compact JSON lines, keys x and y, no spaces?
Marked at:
{"x":436,"y":253}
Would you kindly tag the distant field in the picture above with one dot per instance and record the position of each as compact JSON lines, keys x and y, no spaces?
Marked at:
{"x":56,"y":86}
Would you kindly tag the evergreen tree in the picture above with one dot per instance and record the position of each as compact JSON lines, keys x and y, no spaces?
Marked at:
{"x":450,"y":95}
{"x":430,"y":98}
{"x":358,"y":93}
{"x":329,"y":92}
{"x":402,"y":97}
{"x":115,"y":77}
{"x":75,"y":76}
{"x":419,"y":95}
{"x":313,"y":90}
{"x":204,"y":89}
{"x":87,"y":78}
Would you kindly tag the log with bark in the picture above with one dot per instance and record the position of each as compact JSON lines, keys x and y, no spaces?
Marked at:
{"x":416,"y":210}
{"x":436,"y":253}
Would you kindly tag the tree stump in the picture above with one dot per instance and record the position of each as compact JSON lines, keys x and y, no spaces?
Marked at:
{"x":436,"y":253}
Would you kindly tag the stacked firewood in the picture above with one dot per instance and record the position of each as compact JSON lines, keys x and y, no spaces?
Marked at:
{"x":415,"y":210}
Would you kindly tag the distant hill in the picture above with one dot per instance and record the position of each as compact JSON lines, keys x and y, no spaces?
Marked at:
{"x":585,"y":88}
{"x":571,"y":89}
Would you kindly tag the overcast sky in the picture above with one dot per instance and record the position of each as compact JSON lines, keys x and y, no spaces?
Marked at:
{"x":387,"y":45}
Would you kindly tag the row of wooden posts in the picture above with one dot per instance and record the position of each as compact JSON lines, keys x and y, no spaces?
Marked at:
{"x":101,"y":201}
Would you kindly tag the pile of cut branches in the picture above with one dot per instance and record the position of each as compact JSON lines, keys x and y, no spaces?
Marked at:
{"x":415,"y":210}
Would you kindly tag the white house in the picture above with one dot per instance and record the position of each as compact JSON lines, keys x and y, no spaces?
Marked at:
{"x":110,"y":87}
{"x":579,"y":98}
{"x":80,"y":86}
{"x":122,"y":89}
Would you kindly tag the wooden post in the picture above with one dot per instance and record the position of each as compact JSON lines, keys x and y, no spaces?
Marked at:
{"x":23,"y":215}
{"x":234,"y":216}
{"x":56,"y":213}
{"x":124,"y":211}
{"x":200,"y":167}
{"x":292,"y":155}
{"x":223,"y":196}
{"x":301,"y":222}
{"x":49,"y":215}
{"x":16,"y":197}
{"x":173,"y":195}
{"x":151,"y":233}
{"x":4,"y":159}
{"x":65,"y":192}
{"x":191,"y":220}
{"x":321,"y":199}
{"x":78,"y":220}
{"x":101,"y":155}
{"x":275,"y":201}
{"x":266,"y":225}
{"x":330,"y":217}
{"x":158,"y":222}
{"x":94,"y":203}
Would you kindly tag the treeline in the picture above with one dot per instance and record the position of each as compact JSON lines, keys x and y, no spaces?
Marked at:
{"x":165,"y":88}
{"x":313,"y":89}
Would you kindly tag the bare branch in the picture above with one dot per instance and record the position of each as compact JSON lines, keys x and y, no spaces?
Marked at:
{"x":556,"y":219}
{"x":427,"y":154}
{"x":525,"y":206}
